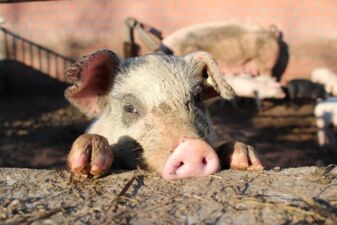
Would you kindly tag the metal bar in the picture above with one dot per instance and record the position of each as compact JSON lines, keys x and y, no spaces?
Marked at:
{"x":48,"y":62}
{"x":6,"y":45}
{"x":14,"y":47}
{"x":15,"y":1}
{"x":65,"y":66}
{"x":23,"y":51}
{"x":39,"y":55}
{"x":31,"y":53}
{"x":57,"y":68}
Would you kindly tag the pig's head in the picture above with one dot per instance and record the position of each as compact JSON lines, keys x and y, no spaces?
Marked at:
{"x":152,"y":103}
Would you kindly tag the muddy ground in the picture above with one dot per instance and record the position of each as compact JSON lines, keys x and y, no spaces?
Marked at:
{"x":36,"y":131}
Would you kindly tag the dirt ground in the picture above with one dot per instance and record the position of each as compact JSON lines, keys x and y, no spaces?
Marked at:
{"x":137,"y":197}
{"x":36,"y":131}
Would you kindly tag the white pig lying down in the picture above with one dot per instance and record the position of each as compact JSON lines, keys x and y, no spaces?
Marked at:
{"x":326,"y":120}
{"x":248,"y":86}
{"x":261,"y":87}
{"x":150,"y":114}
{"x":326,"y":77}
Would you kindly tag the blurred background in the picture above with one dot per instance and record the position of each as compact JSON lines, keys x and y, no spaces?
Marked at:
{"x":39,"y":39}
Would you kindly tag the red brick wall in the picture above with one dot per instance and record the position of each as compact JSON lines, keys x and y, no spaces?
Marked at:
{"x":76,"y":27}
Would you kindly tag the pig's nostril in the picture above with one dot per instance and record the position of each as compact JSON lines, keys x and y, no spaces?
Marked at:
{"x":180,"y":164}
{"x":204,"y":161}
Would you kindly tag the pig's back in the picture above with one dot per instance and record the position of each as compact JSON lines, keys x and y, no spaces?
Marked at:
{"x":214,"y":31}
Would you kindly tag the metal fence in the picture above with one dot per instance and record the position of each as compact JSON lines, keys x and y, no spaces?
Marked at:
{"x":34,"y":55}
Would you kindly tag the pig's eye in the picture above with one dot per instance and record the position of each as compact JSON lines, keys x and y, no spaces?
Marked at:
{"x":130,"y":109}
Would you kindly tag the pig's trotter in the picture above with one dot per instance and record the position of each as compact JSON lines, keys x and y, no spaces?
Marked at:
{"x":90,"y":154}
{"x":239,"y":156}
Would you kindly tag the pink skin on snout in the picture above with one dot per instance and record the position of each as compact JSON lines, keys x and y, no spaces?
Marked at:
{"x":192,"y":157}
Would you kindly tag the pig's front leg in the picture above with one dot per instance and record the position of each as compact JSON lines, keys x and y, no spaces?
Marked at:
{"x":239,"y":156}
{"x":90,"y":154}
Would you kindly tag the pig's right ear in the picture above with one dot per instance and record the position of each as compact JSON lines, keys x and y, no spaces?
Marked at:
{"x":92,"y":78}
{"x":208,"y":72}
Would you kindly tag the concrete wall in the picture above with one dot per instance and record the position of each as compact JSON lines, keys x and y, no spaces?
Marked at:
{"x":76,"y":27}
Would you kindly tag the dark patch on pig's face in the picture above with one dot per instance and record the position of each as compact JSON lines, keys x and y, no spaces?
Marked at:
{"x":195,"y":102}
{"x":199,"y":117}
{"x":132,"y":109}
{"x":165,"y":108}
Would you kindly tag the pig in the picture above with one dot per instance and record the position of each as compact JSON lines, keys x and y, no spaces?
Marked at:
{"x":327,"y":78}
{"x":261,"y":87}
{"x":301,"y":90}
{"x":149,"y":113}
{"x":238,"y":47}
{"x":326,"y":119}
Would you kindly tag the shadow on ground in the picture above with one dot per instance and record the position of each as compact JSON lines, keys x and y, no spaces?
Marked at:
{"x":37,"y":125}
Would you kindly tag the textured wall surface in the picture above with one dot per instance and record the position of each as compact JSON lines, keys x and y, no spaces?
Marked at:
{"x":76,"y":27}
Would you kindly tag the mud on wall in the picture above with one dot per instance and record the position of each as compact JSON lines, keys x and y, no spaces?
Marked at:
{"x":75,"y":28}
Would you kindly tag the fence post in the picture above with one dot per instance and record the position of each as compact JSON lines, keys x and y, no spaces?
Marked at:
{"x":2,"y":42}
{"x":2,"y":57}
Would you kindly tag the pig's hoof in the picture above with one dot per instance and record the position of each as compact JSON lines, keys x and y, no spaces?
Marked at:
{"x":239,"y":156}
{"x":90,"y":154}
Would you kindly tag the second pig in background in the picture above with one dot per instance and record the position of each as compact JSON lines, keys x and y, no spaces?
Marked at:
{"x":239,"y":47}
{"x":259,"y":88}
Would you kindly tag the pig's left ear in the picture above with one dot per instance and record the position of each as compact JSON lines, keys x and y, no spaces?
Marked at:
{"x":92,"y":77}
{"x":207,"y":69}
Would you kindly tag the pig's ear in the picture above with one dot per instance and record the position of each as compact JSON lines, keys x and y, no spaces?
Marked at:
{"x":275,"y":31}
{"x":208,"y":70}
{"x":92,"y":78}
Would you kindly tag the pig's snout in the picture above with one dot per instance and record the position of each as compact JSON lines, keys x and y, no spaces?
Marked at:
{"x":192,"y":157}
